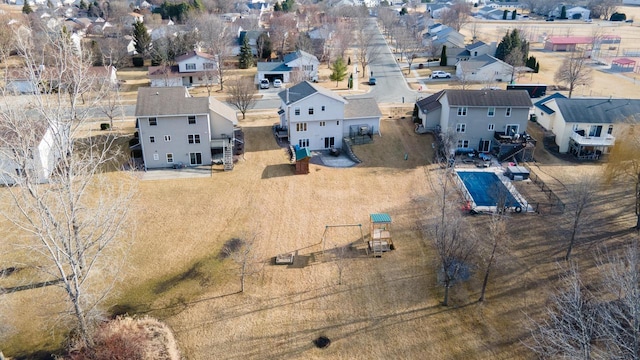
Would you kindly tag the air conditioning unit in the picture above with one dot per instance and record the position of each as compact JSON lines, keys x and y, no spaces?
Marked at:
{"x":364,"y":130}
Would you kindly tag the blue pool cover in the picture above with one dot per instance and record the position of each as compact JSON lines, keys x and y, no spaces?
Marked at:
{"x":484,"y":188}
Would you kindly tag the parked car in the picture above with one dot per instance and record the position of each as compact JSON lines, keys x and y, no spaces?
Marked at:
{"x":372,"y":81}
{"x":277,"y":83}
{"x":264,"y":84}
{"x":438,"y":74}
{"x":588,"y":20}
{"x":630,"y":21}
{"x":550,"y":19}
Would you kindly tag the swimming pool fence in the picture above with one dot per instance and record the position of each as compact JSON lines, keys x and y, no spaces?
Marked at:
{"x":554,"y":204}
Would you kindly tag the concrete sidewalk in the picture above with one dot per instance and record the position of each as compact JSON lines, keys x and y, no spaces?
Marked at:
{"x":170,"y":174}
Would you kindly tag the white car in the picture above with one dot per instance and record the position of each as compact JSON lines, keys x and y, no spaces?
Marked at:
{"x":440,"y":74}
{"x":264,"y":84}
{"x":277,"y":83}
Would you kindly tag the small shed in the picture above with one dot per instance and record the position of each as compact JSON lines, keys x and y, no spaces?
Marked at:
{"x":623,"y":65}
{"x":303,"y":155}
{"x":517,"y":173}
{"x":380,"y":232}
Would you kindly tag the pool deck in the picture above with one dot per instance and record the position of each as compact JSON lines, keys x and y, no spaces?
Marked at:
{"x":493,"y":167}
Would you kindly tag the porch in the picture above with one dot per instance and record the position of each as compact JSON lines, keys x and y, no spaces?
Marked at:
{"x":585,"y":147}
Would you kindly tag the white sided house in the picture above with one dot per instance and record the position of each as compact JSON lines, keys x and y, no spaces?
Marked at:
{"x":317,"y":118}
{"x":297,"y":66}
{"x":176,"y":129}
{"x":193,"y":69}
{"x":31,"y":158}
{"x":484,"y":68}
{"x":586,"y":127}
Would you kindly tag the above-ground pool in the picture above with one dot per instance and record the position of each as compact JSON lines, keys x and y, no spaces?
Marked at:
{"x":485,"y":188}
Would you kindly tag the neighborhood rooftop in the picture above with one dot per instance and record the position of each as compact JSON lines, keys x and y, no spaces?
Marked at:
{"x":510,"y":98}
{"x":164,"y":101}
{"x":303,"y":90}
{"x":361,"y":107}
{"x":603,"y":110}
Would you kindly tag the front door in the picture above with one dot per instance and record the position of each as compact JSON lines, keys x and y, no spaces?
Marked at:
{"x":485,"y":145}
{"x":196,"y":158}
{"x":329,"y":142}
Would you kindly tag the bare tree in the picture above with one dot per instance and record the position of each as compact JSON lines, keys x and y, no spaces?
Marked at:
{"x":6,"y":38}
{"x":367,"y":51}
{"x":216,"y":37}
{"x":497,"y":232}
{"x":242,"y":94}
{"x":77,"y":224}
{"x":283,"y":34}
{"x":582,"y":196}
{"x":112,"y":103}
{"x":242,"y":253}
{"x":621,"y":314}
{"x":602,"y":8}
{"x":456,"y":16}
{"x":624,"y":164}
{"x":515,"y":58}
{"x":569,"y":330}
{"x":574,"y":71}
{"x":341,"y":41}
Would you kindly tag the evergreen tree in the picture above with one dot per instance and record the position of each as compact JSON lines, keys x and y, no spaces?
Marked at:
{"x":339,"y":71}
{"x":246,"y":57}
{"x":265,"y":48}
{"x":141,"y":38}
{"x":198,"y":6}
{"x":403,"y":11}
{"x":26,"y":8}
{"x":514,"y":15}
{"x":83,"y":5}
{"x":504,"y":14}
{"x":277,"y":7}
{"x":512,"y":41}
{"x":563,"y":12}
{"x":443,"y":56}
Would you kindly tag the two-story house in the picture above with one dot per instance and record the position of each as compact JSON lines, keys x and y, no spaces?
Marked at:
{"x":176,"y":129}
{"x":586,"y":127}
{"x":297,"y":66}
{"x":485,"y":68}
{"x":483,"y":120}
{"x":192,"y":69}
{"x":317,"y":118}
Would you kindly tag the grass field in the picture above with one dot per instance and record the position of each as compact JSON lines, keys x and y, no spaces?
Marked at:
{"x":384,"y":308}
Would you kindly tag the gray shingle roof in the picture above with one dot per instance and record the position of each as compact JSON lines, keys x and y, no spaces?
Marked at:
{"x":295,"y":55}
{"x":303,"y":90}
{"x":361,"y":107}
{"x":273,"y":66}
{"x":541,"y":103}
{"x":475,"y":45}
{"x":171,"y":100}
{"x":599,"y":110}
{"x":484,"y":98}
{"x":430,"y":102}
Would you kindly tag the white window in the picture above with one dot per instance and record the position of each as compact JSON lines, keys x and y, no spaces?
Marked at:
{"x":463,"y":144}
{"x":303,"y":142}
{"x":190,"y":66}
{"x":296,"y":111}
{"x":507,"y":112}
{"x":491,"y":127}
{"x":192,"y":120}
{"x":322,"y":123}
{"x":169,"y":157}
{"x":610,"y":130}
{"x":195,"y":158}
{"x":462,"y":111}
{"x":152,"y":139}
{"x":491,"y":112}
{"x":301,"y":127}
{"x":338,"y":123}
{"x":310,"y":111}
{"x":167,"y":138}
{"x":460,"y":128}
{"x":156,"y":157}
{"x":576,"y":127}
{"x":194,"y":139}
{"x":153,"y":122}
{"x":322,"y":108}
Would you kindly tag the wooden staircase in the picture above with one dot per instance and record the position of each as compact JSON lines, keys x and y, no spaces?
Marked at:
{"x":227,"y":156}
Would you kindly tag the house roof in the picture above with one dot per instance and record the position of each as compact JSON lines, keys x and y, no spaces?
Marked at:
{"x":598,"y":110}
{"x":296,"y":55}
{"x":172,"y":100}
{"x":479,"y":62}
{"x":157,"y":72}
{"x":623,"y":61}
{"x":223,"y":110}
{"x":380,"y":218}
{"x":194,"y":53}
{"x":483,"y":98}
{"x":541,"y":104}
{"x":22,"y":133}
{"x":430,"y":102}
{"x":302,"y":153}
{"x":306,"y":89}
{"x":361,"y":108}
{"x":273,"y":66}
{"x":476,"y":44}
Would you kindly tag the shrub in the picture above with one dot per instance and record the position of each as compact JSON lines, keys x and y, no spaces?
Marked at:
{"x":138,"y":61}
{"x":104,"y":126}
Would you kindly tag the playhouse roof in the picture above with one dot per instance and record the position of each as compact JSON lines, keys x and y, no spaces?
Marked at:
{"x":380,"y":218}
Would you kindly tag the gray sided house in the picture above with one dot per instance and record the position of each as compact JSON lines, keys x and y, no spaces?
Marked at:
{"x":176,"y":129}
{"x":483,"y":120}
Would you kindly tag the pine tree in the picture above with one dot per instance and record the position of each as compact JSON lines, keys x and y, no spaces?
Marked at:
{"x":83,"y":5}
{"x":26,"y":8}
{"x":504,"y":14}
{"x":512,"y":41}
{"x":141,"y":38}
{"x":339,"y":71}
{"x":443,"y":56}
{"x":277,"y":7}
{"x":246,"y":57}
{"x":563,"y":12}
{"x":514,"y":15}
